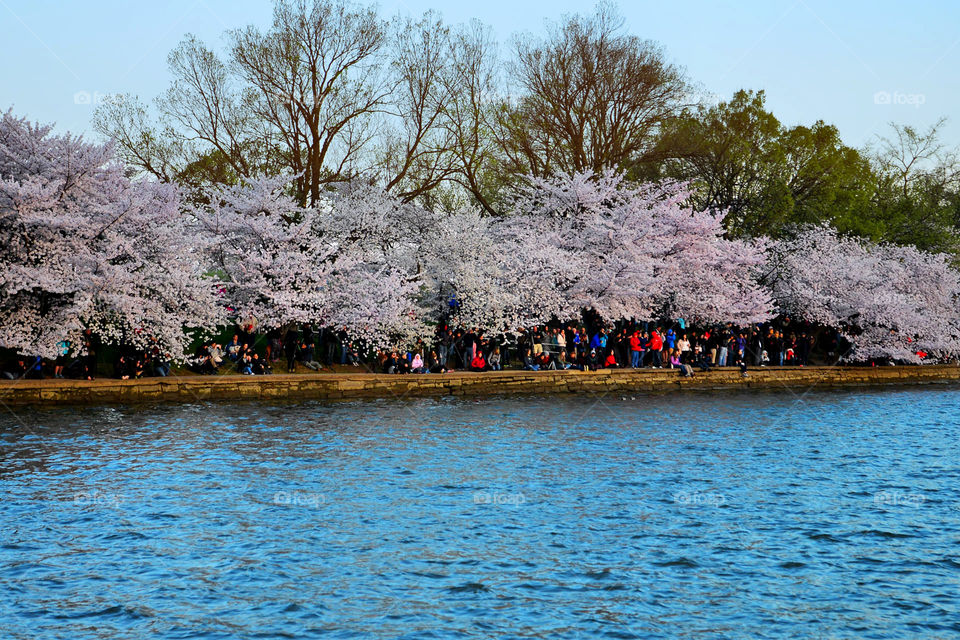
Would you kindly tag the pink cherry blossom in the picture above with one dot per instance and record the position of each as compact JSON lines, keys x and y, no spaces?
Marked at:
{"x":634,"y":252}
{"x":889,"y":301}
{"x":82,"y":246}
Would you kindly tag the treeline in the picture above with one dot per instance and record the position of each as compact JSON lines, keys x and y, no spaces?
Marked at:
{"x":89,"y":256}
{"x":444,"y":116}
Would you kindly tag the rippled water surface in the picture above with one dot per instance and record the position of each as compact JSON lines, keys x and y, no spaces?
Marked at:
{"x":832,"y":515}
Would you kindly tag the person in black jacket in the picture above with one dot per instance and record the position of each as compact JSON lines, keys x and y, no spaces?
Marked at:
{"x":308,"y":343}
{"x":91,"y":345}
{"x":803,"y":348}
{"x":391,"y":364}
{"x":15,"y":369}
{"x":123,"y":368}
{"x":434,"y":364}
{"x":775,"y":348}
{"x":593,"y":360}
{"x":247,"y":336}
{"x":291,"y":344}
{"x":273,"y":344}
{"x":259,"y":367}
{"x":203,"y":361}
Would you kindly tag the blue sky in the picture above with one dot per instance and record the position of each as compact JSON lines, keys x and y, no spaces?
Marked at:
{"x":856,"y":64}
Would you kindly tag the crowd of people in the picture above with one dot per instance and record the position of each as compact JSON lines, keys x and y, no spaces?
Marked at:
{"x":586,"y":346}
{"x":128,"y":364}
{"x":293,"y":345}
{"x":622,"y":345}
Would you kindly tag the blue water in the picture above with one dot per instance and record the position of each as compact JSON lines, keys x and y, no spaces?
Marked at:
{"x":824,"y":515}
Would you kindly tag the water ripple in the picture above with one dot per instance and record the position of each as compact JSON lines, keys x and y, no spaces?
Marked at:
{"x":695,"y":516}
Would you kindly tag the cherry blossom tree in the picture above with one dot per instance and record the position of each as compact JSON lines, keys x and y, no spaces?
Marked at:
{"x":81,"y":246}
{"x":261,"y":249}
{"x":280,"y":263}
{"x":888,"y":301}
{"x":381,"y":236}
{"x":471,"y":260}
{"x":431,"y":257}
{"x":635,"y":251}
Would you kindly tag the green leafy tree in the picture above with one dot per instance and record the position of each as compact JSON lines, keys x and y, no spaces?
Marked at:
{"x":743,"y":160}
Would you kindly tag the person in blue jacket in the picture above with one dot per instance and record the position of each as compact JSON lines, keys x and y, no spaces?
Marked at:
{"x":598,"y":341}
{"x":595,"y":341}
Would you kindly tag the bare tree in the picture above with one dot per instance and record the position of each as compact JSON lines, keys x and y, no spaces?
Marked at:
{"x":472,"y":86}
{"x":909,"y":153}
{"x":316,"y":74}
{"x":415,"y":147}
{"x":138,"y":141}
{"x":302,"y":96}
{"x":917,"y":195}
{"x":593,"y":97}
{"x":205,"y":105}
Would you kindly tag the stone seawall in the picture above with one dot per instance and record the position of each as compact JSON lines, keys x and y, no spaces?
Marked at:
{"x":340,"y":386}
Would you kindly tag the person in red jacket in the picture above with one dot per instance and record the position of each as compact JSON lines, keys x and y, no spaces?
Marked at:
{"x":636,"y":350}
{"x":611,"y":361}
{"x":656,"y":346}
{"x":478,"y":363}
